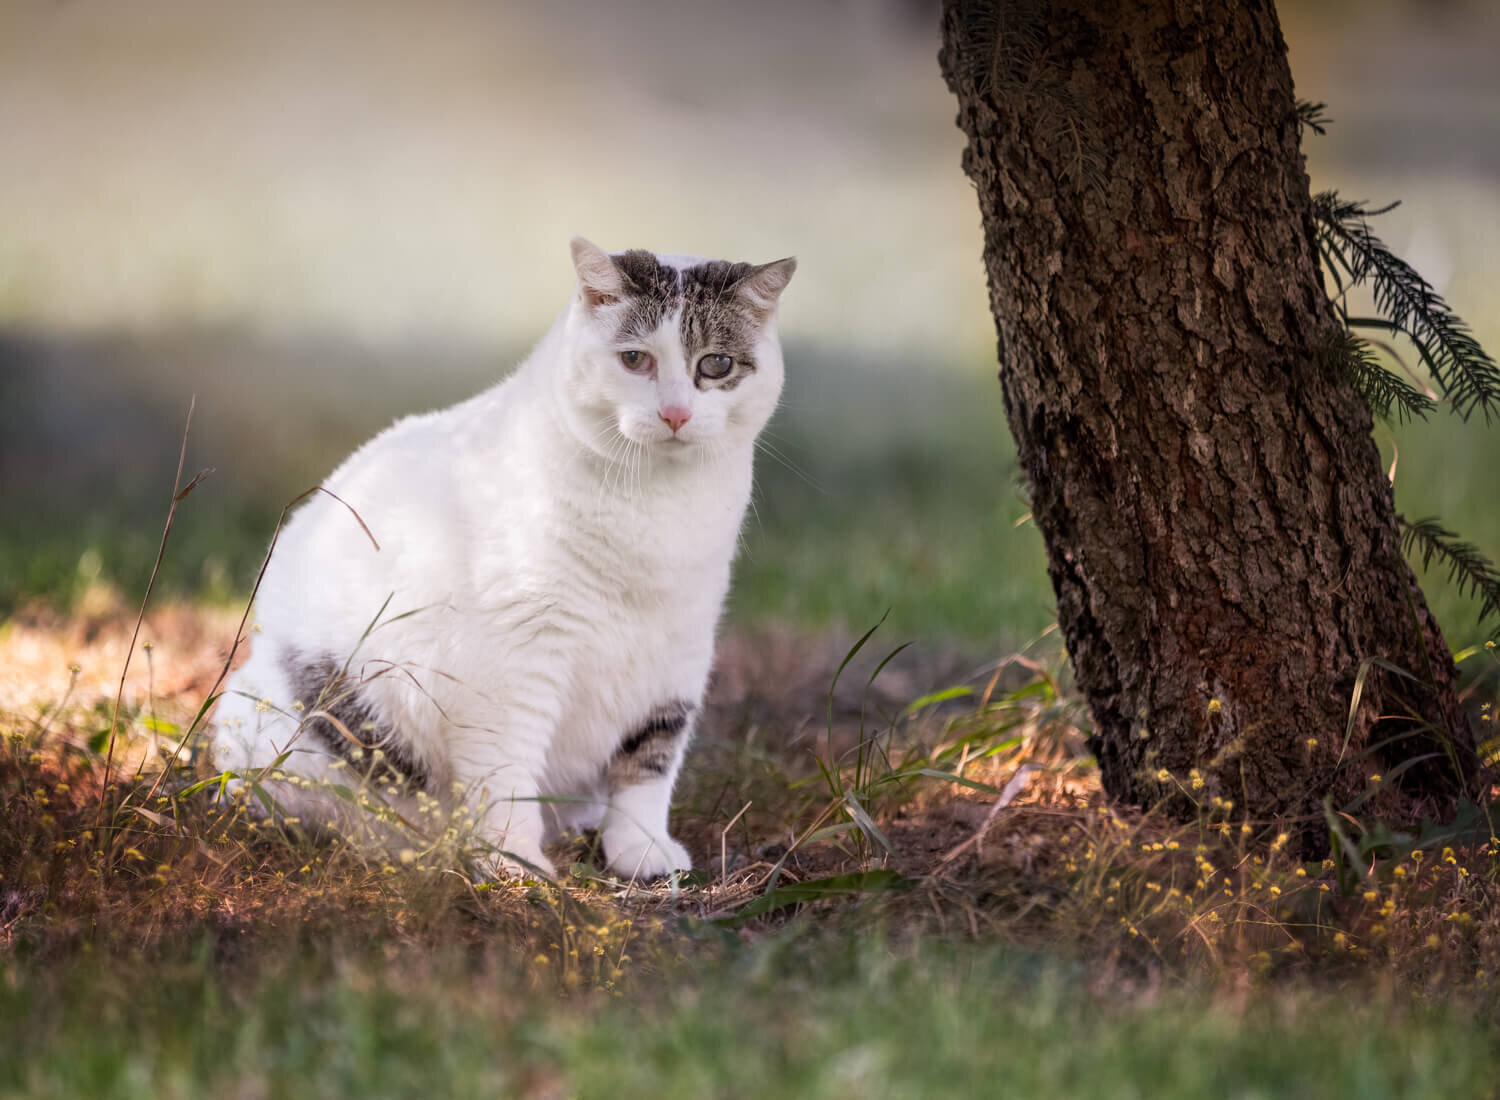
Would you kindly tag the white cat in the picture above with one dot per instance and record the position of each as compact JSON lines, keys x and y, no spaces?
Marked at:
{"x":552,"y":559}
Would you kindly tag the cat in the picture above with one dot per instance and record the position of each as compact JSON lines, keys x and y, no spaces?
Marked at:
{"x":519,"y":626}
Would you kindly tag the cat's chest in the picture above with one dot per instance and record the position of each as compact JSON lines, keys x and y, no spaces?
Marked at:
{"x":664,"y":541}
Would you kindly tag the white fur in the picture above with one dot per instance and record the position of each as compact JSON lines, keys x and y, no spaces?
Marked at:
{"x":566,"y":561}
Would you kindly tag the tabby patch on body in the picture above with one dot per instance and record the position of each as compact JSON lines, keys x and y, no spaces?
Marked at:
{"x":528,"y":635}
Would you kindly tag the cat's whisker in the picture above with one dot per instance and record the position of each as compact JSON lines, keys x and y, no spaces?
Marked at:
{"x":754,"y":511}
{"x":769,"y":449}
{"x":613,"y":460}
{"x":638,"y":469}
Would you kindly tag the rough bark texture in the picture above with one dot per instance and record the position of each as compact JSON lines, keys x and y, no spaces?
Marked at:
{"x":1220,"y":533}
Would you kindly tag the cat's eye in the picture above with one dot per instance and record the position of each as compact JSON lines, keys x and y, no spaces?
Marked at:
{"x":715,"y":366}
{"x":638,"y":362}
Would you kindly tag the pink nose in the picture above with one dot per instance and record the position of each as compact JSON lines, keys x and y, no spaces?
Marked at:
{"x":675,"y":416}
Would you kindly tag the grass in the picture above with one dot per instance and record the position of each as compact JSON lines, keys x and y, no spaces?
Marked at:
{"x":787,"y":1017}
{"x":865,"y":921}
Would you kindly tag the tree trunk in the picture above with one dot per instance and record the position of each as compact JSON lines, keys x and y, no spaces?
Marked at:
{"x":1221,"y":536}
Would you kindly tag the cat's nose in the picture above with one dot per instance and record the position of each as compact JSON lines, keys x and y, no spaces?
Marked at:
{"x":675,"y":416}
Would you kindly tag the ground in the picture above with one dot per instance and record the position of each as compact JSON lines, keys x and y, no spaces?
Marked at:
{"x":942,"y":901}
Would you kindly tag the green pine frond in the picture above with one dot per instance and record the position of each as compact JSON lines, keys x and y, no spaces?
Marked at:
{"x":1409,"y":305}
{"x":1384,"y":390}
{"x":1310,"y":116}
{"x":1475,"y":575}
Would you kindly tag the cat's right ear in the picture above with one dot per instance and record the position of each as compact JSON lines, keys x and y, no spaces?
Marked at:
{"x":598,"y":277}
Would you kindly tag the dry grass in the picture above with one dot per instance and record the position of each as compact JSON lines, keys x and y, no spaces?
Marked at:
{"x":878,"y":813}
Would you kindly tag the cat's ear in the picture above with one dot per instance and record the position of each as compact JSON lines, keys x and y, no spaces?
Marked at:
{"x":598,"y":277}
{"x":765,"y":283}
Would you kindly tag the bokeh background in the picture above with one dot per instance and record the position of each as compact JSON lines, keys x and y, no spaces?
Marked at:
{"x":316,"y":217}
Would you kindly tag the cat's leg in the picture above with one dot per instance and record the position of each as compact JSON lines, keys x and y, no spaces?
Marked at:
{"x":579,"y":812}
{"x":295,"y":765}
{"x":640,"y":778}
{"x":496,"y":769}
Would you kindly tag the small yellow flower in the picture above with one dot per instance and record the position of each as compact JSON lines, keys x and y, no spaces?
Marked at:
{"x":1163,"y":776}
{"x":1311,"y":742}
{"x":1375,"y":778}
{"x":1214,"y":706}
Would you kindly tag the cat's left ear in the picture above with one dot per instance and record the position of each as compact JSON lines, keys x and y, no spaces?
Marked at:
{"x":765,"y":283}
{"x":598,"y":277}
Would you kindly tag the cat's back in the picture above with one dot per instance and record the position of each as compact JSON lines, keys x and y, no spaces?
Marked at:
{"x":391,"y":520}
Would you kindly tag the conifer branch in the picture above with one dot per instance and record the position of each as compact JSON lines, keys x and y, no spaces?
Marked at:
{"x":1475,"y":575}
{"x":1467,"y":375}
{"x":1310,"y":116}
{"x":1383,"y":390}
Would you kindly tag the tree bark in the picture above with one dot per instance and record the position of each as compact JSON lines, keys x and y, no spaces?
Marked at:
{"x":1220,"y":534}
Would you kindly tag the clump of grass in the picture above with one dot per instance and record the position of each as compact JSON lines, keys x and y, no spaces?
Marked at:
{"x":135,"y":871}
{"x":988,"y":822}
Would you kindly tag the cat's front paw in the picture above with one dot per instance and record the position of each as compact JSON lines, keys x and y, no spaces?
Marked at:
{"x":516,"y":862}
{"x":641,"y":857}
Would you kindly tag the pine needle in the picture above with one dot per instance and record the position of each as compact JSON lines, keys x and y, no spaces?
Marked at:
{"x":1408,"y":304}
{"x":1384,"y":391}
{"x":1475,"y":575}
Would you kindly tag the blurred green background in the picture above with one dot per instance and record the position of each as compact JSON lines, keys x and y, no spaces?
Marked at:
{"x":317,"y":217}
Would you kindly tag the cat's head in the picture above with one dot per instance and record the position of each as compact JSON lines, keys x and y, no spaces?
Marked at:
{"x":672,"y":352}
